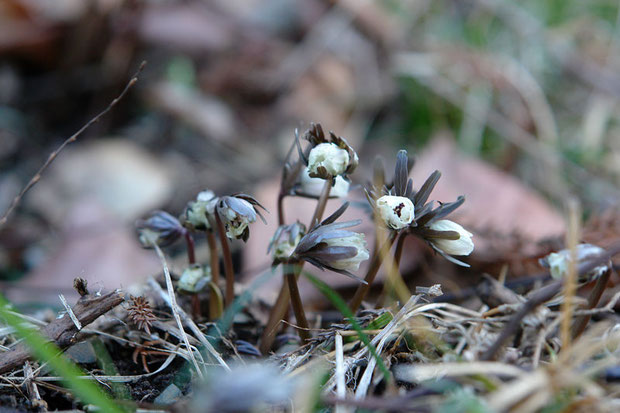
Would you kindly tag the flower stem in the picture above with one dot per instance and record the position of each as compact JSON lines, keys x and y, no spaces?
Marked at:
{"x":277,"y":313}
{"x":320,"y":206}
{"x":213,"y":257}
{"x":191,"y":254}
{"x":228,"y":264}
{"x":292,"y":272}
{"x":281,"y":197}
{"x":362,"y":289}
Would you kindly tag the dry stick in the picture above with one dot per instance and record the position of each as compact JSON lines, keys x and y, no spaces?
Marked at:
{"x":37,"y":177}
{"x":292,"y":271}
{"x":570,"y":278}
{"x":63,"y":331}
{"x":281,"y":305}
{"x":362,"y":289}
{"x":542,"y":295}
{"x":228,"y":264}
{"x":175,"y":308}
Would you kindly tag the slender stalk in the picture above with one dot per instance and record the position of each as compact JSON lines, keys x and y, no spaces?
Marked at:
{"x":215,"y":295}
{"x":281,"y":197}
{"x":398,"y":252}
{"x":191,"y":258}
{"x":228,"y":264}
{"x":320,"y":206}
{"x":191,"y":249}
{"x":292,"y":271}
{"x":362,"y":289}
{"x":277,"y":313}
{"x":213,"y":257}
{"x":279,"y":309}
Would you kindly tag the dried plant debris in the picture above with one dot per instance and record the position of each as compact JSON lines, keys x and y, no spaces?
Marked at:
{"x":185,"y":346}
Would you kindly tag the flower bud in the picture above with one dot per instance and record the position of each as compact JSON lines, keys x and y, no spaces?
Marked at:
{"x":396,"y":211}
{"x":160,"y":228}
{"x":557,"y":262}
{"x":197,"y":212}
{"x":237,"y":212}
{"x":461,"y":246}
{"x":327,"y":160}
{"x":285,"y":241}
{"x":313,"y":186}
{"x":350,"y":261}
{"x":329,"y":246}
{"x":194,"y":278}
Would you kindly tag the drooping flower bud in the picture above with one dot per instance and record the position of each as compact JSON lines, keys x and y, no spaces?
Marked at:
{"x":463,"y":245}
{"x":328,"y":245}
{"x":557,"y":262}
{"x":285,"y":241}
{"x":397,"y":212}
{"x":160,"y":228}
{"x":313,"y":186}
{"x":237,"y":212}
{"x":194,"y":278}
{"x":198,"y":212}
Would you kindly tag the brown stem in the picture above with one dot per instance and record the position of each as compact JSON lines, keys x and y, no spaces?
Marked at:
{"x":196,"y":313}
{"x":362,"y":289}
{"x":213,"y":257}
{"x":191,"y":254}
{"x":320,"y":206}
{"x":281,"y":209}
{"x":581,"y":322}
{"x":228,"y":264}
{"x":292,"y":272}
{"x":398,"y":252}
{"x":277,"y":313}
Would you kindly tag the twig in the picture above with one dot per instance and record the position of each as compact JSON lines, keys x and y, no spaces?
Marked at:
{"x":37,"y":177}
{"x":175,"y":308}
{"x":75,"y":320}
{"x":33,"y":391}
{"x":62,"y":331}
{"x":340,"y":373}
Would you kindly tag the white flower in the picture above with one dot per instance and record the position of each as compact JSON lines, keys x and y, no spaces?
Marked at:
{"x":557,"y":262}
{"x":284,"y":248}
{"x":313,"y":186}
{"x":355,"y":240}
{"x":329,"y":156}
{"x":462,"y":246}
{"x":197,"y":212}
{"x":237,"y":222}
{"x":194,"y":278}
{"x":396,"y":211}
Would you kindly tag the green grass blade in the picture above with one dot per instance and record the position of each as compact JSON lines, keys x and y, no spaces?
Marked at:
{"x":342,"y":306}
{"x":47,"y":352}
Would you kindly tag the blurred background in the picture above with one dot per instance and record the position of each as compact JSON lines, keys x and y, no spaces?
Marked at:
{"x":516,"y":103}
